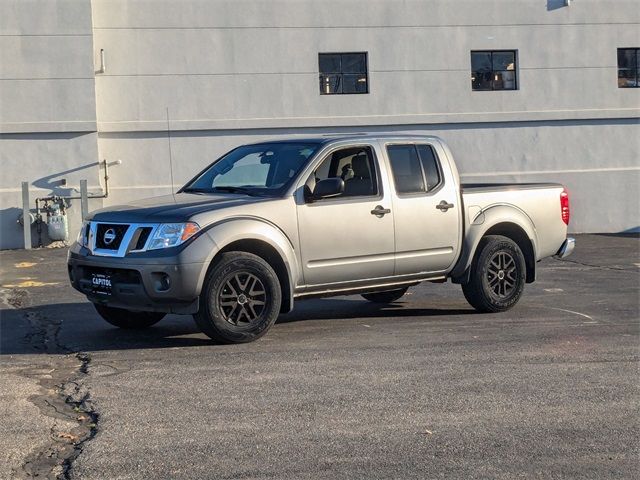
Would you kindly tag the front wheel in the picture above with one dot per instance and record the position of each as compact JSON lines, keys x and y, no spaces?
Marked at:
{"x":498,"y":275}
{"x":389,"y":296}
{"x":128,"y":319}
{"x":240,"y":299}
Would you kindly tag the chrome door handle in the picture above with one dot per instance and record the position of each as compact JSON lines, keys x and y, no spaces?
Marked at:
{"x":444,"y":206}
{"x":379,"y":211}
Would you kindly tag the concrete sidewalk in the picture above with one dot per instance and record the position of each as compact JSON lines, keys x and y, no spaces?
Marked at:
{"x":339,"y":388}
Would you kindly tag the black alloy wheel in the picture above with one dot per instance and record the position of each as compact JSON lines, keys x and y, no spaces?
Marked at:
{"x":498,"y":275}
{"x":501,"y":274}
{"x":240,"y":298}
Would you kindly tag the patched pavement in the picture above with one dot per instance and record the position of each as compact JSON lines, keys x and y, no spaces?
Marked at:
{"x":340,"y":388}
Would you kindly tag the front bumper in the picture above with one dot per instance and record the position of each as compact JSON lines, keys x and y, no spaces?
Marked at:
{"x":567,"y":248}
{"x":141,"y":285}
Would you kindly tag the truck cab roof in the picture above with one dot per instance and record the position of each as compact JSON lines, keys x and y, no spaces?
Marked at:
{"x":325,"y":139}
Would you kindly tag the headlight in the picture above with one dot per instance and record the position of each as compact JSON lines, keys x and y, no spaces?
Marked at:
{"x":172,"y":234}
{"x":83,"y":234}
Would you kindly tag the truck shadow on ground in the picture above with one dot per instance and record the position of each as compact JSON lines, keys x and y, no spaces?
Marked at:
{"x":346,"y":308}
{"x":76,"y":327}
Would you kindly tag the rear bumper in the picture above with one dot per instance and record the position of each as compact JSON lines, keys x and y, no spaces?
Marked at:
{"x":139,"y":286}
{"x":567,"y":248}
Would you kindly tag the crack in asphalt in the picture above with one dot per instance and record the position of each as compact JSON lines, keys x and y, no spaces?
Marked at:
{"x":601,"y":267}
{"x":64,"y":397}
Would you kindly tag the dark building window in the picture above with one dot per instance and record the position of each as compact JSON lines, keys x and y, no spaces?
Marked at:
{"x":342,"y":73}
{"x":494,"y":70}
{"x":629,"y":67}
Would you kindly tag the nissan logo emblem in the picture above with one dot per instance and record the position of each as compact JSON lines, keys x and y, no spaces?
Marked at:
{"x":109,"y":236}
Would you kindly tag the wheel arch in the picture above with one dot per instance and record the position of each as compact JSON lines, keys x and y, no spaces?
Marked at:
{"x":520,"y":237}
{"x":504,"y":220}
{"x":261,"y":239}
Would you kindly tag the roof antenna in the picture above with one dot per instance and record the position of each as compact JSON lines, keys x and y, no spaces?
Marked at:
{"x":170,"y":155}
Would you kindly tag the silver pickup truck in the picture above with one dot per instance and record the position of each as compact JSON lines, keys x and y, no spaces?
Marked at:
{"x":273,"y":222}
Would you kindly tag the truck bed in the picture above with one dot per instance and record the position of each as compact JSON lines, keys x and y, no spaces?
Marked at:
{"x":538,"y":202}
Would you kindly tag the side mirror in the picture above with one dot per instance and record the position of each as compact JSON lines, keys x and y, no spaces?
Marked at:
{"x":329,"y":187}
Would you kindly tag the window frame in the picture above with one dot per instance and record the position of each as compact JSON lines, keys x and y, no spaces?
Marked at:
{"x":636,"y":51}
{"x":340,"y":198}
{"x":341,"y":73}
{"x":516,"y":79}
{"x":425,"y":193}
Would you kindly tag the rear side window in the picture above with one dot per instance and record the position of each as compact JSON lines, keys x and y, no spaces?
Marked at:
{"x":405,"y":164}
{"x":414,"y":167}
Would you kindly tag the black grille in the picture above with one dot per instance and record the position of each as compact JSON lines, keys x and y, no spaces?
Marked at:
{"x":109,"y":229}
{"x":143,"y":235}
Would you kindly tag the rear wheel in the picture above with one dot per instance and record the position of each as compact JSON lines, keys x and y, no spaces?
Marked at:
{"x":498,"y":275}
{"x":122,"y":318}
{"x":240,"y":299}
{"x":389,"y":296}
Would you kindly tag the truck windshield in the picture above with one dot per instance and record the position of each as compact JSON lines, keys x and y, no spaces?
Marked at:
{"x":261,"y":169}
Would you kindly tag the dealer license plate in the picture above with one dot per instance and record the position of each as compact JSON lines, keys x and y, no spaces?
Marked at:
{"x":101,"y":283}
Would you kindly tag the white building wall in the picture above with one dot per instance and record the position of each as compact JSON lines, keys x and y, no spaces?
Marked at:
{"x":47,"y":105}
{"x":221,"y":72}
{"x":219,"y":64}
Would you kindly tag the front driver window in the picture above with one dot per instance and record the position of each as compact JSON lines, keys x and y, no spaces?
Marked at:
{"x":356,"y":167}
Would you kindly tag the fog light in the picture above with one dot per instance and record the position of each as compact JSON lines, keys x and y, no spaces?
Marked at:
{"x":162,"y":282}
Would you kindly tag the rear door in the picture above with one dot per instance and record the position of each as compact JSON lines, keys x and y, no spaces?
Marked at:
{"x":342,"y":239}
{"x":425,"y":206}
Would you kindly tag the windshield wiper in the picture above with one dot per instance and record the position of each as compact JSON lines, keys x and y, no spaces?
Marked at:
{"x":197,"y":190}
{"x":228,"y":188}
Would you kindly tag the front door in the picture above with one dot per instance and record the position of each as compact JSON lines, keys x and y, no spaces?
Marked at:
{"x":349,"y":237}
{"x":426,"y":210}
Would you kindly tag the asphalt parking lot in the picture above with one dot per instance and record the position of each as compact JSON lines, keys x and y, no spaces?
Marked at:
{"x":340,"y":388}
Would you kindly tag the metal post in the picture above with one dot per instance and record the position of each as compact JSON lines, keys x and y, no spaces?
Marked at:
{"x":26,"y":216}
{"x":84,"y":199}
